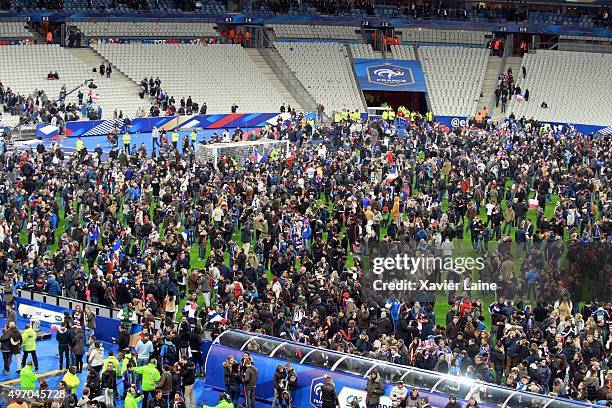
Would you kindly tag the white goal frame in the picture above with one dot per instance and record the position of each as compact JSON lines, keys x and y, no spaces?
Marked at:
{"x":240,"y":151}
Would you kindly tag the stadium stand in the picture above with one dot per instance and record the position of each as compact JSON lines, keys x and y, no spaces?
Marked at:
{"x":565,"y":80}
{"x":224,"y":72}
{"x":431,"y":36}
{"x":455,"y":76}
{"x":145,"y":29}
{"x":25,"y":68}
{"x":551,"y":18}
{"x":584,"y":44}
{"x":14,"y":29}
{"x":403,"y":52}
{"x":315,"y":32}
{"x":362,"y":51}
{"x":326,"y":72}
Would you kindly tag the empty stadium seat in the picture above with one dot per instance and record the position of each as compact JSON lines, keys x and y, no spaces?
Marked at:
{"x":362,"y":51}
{"x":455,"y":76}
{"x":219,"y":75}
{"x":25,"y":67}
{"x":433,"y":36}
{"x":150,"y":29}
{"x":315,"y":32}
{"x":573,"y":84}
{"x":403,"y":52}
{"x":14,"y":29}
{"x":326,"y":72}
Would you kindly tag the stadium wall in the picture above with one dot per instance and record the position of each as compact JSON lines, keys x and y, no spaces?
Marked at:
{"x":49,"y":310}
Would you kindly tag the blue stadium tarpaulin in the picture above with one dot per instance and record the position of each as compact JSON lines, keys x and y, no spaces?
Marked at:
{"x":390,"y":75}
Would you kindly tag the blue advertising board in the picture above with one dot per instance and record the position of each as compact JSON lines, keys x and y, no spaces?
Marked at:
{"x":84,"y":128}
{"x":390,"y":75}
{"x":453,"y":121}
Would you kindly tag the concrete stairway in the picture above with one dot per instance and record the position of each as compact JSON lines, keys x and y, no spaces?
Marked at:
{"x":117,"y":92}
{"x":286,"y":78}
{"x":515,"y":64}
{"x":490,"y":83}
{"x":378,"y":54}
{"x":264,"y":67}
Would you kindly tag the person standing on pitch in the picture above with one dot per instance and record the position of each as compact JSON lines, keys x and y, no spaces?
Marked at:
{"x":29,"y":346}
{"x":329,"y":397}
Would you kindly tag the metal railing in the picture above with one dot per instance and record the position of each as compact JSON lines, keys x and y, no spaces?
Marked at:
{"x":284,"y":74}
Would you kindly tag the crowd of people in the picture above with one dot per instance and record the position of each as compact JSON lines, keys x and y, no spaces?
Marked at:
{"x":164,"y":103}
{"x":280,"y":247}
{"x":39,"y":107}
{"x":507,"y":88}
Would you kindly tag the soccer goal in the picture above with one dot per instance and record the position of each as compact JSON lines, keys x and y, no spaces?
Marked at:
{"x":255,"y":151}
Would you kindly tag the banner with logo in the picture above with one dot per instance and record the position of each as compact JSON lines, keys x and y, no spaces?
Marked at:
{"x":85,"y":128}
{"x":390,"y":75}
{"x":453,"y":122}
{"x":40,"y":314}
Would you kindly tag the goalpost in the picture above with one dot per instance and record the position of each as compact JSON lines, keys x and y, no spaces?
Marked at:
{"x":241,"y":152}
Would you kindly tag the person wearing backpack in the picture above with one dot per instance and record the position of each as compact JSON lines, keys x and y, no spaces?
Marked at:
{"x":130,"y":379}
{"x":128,"y":358}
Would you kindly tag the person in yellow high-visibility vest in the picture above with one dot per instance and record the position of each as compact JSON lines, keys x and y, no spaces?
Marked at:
{"x":391,"y":115}
{"x":345,"y":114}
{"x":194,"y":137}
{"x":175,"y":139}
{"x":429,"y":116}
{"x":80,"y":145}
{"x":385,"y":115}
{"x":127,"y":140}
{"x":336,"y":117}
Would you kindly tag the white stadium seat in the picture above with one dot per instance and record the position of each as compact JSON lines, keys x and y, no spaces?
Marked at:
{"x":316,"y":32}
{"x":362,"y":51}
{"x":151,"y":29}
{"x":14,"y":29}
{"x":455,"y":76}
{"x":403,"y":52}
{"x":25,"y":67}
{"x":326,"y":72}
{"x":219,"y":75}
{"x":573,"y":85}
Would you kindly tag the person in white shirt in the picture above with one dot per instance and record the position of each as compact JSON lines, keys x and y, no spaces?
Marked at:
{"x":398,"y":393}
{"x":447,"y":247}
{"x":217,"y":215}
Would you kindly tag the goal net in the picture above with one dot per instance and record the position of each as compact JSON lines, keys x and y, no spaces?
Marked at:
{"x":255,"y":151}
